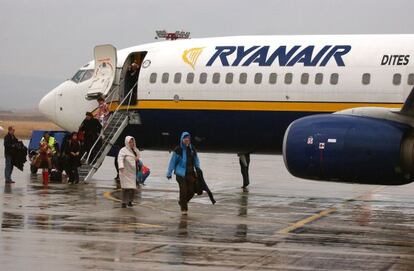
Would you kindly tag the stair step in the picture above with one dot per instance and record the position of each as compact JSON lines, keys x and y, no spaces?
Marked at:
{"x":112,"y":130}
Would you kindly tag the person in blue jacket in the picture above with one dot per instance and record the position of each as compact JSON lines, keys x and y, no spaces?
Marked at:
{"x":183,"y":163}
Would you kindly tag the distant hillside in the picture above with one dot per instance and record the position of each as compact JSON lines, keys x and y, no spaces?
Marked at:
{"x":26,"y":115}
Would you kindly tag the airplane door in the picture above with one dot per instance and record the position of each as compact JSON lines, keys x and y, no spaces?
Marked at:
{"x":129,"y":78}
{"x":104,"y":73}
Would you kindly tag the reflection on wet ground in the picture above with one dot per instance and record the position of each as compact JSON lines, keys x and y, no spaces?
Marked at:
{"x":281,"y":223}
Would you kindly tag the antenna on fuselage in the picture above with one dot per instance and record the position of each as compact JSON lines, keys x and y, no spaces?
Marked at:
{"x":163,"y":34}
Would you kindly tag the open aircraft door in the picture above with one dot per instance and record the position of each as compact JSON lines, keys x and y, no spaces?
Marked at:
{"x":104,"y":73}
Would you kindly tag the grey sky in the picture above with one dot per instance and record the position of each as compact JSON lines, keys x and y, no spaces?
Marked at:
{"x":44,"y":42}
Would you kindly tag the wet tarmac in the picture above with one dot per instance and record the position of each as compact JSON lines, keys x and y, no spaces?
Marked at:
{"x":281,"y":223}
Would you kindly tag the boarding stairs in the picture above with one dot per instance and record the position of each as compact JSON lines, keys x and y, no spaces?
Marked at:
{"x":114,"y":127}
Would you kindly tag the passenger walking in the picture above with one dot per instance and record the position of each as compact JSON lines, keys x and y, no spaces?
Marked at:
{"x":103,"y":111}
{"x":183,"y":162}
{"x":91,"y":128}
{"x":10,"y":143}
{"x":73,"y":154}
{"x":127,"y":161}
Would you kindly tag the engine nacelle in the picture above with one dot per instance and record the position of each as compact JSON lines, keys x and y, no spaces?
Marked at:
{"x":352,"y":149}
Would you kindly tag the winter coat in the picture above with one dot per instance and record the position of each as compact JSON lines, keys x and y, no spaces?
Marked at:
{"x":178,"y":161}
{"x":19,"y":155}
{"x":201,"y":186}
{"x":73,"y":147}
{"x":10,"y":144}
{"x":127,"y":162}
{"x":91,"y":128}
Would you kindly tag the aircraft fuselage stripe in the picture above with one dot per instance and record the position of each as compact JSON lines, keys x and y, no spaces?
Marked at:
{"x":252,"y":105}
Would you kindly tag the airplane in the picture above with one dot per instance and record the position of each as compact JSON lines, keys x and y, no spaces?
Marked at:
{"x":338,"y":107}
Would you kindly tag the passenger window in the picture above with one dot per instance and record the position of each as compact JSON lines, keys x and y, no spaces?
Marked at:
{"x":229,"y":78}
{"x":153,"y":78}
{"x":411,"y":79}
{"x":243,"y":78}
{"x":366,"y":78}
{"x":203,"y":78}
{"x":304,"y":78}
{"x":216,"y":78}
{"x":177,"y":78}
{"x":273,"y":78}
{"x":87,"y":75}
{"x":319,"y":78}
{"x":288,"y":78}
{"x":396,"y":80}
{"x":190,"y":78}
{"x":165,"y":77}
{"x":334,"y":79}
{"x":258,"y":78}
{"x":78,"y":75}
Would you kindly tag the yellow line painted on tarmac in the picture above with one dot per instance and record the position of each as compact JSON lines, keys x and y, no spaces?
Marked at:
{"x":108,"y":195}
{"x":324,"y":213}
{"x":308,"y":220}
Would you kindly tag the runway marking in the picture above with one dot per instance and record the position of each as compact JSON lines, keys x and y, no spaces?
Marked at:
{"x":308,"y":220}
{"x":301,"y":223}
{"x":108,"y":195}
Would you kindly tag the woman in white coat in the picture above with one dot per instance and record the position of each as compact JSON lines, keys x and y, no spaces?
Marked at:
{"x":127,"y":161}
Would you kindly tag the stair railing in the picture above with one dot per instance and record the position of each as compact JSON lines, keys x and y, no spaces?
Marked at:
{"x":109,"y":121}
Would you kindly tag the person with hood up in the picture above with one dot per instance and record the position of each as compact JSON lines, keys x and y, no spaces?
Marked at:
{"x":127,"y":161}
{"x":183,"y":162}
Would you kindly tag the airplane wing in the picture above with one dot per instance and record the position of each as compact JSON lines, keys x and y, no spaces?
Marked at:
{"x":408,"y":107}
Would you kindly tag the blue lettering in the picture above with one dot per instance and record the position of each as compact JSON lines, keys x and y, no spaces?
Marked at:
{"x":258,"y":57}
{"x":337,"y":52}
{"x":281,"y":54}
{"x":305,"y":56}
{"x":222,"y":52}
{"x":241,"y":53}
{"x":286,"y":57}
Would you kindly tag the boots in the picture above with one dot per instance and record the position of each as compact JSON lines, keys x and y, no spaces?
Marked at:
{"x":45,"y":177}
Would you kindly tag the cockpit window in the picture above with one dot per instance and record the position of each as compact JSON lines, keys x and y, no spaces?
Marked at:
{"x":78,"y":76}
{"x":87,"y":75}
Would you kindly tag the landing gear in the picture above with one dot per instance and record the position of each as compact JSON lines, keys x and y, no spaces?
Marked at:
{"x":244,"y":160}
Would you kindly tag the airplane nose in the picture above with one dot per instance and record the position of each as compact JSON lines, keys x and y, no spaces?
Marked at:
{"x":47,"y":106}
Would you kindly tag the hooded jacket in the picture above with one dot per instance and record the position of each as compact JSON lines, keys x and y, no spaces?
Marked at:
{"x":127,"y":162}
{"x":178,"y":162}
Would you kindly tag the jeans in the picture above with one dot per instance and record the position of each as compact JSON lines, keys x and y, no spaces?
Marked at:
{"x":8,"y":169}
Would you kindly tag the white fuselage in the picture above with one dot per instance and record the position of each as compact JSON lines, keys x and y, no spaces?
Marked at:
{"x":258,"y":74}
